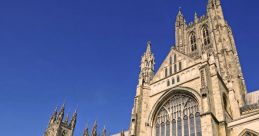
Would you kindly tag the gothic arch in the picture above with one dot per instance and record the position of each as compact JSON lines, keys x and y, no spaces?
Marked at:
{"x":192,"y":40}
{"x":182,"y":90}
{"x":248,"y":132}
{"x":176,"y":107}
{"x":205,"y":34}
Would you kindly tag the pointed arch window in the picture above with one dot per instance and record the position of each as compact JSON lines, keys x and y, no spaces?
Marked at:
{"x":175,"y":58}
{"x":171,"y":60}
{"x":166,"y":72}
{"x":175,"y":68}
{"x":178,"y":78}
{"x":206,"y":36}
{"x":173,"y":80}
{"x":168,"y":82}
{"x":171,"y":70}
{"x":193,"y":42}
{"x":184,"y":112}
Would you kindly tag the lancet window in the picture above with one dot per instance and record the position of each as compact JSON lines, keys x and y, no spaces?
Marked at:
{"x":193,"y":42}
{"x":178,"y":116}
{"x":206,"y":36}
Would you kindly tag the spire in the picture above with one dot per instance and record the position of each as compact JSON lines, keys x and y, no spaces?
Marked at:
{"x":86,"y":133}
{"x":54,"y":116}
{"x":104,"y":131}
{"x":148,"y":50}
{"x":180,"y":13}
{"x":73,"y":120}
{"x":147,"y":66}
{"x":66,"y":119}
{"x":196,"y":18}
{"x":61,"y":113}
{"x":180,"y":18}
{"x":94,"y":130}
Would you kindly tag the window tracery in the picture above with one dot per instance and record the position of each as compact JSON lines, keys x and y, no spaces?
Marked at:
{"x":179,"y":116}
{"x":193,"y":42}
{"x":206,"y":36}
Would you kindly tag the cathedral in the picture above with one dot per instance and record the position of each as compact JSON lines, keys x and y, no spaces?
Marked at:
{"x":199,"y":89}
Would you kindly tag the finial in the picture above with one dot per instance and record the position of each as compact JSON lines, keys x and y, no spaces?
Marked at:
{"x":180,"y":8}
{"x":75,"y":112}
{"x":195,"y":17}
{"x":66,"y":120}
{"x":94,"y":130}
{"x":62,"y":107}
{"x":180,"y":11}
{"x":148,"y":47}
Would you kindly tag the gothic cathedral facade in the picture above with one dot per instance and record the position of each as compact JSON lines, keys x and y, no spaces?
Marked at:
{"x":199,"y":89}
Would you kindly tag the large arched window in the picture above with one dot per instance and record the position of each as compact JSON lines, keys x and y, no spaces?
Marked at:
{"x":178,"y":116}
{"x":206,"y":36}
{"x":193,"y":42}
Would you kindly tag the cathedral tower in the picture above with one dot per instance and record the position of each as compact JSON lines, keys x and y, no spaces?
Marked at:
{"x":199,"y":88}
{"x":59,"y":127}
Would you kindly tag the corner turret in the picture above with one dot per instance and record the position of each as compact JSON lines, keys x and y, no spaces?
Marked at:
{"x":147,"y":66}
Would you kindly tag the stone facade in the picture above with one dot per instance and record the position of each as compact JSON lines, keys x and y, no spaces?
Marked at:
{"x":59,"y":126}
{"x":199,"y":88}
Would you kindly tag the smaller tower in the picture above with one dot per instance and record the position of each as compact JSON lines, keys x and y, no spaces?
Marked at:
{"x":59,"y":127}
{"x":138,"y":117}
{"x":180,"y":27}
{"x":147,"y":66}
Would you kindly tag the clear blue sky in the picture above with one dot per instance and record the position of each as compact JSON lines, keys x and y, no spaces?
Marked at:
{"x":87,"y":53}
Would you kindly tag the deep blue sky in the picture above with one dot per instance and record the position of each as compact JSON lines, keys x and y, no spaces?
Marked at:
{"x":87,"y":53}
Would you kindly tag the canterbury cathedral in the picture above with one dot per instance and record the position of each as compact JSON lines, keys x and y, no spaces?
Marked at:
{"x":199,"y":89}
